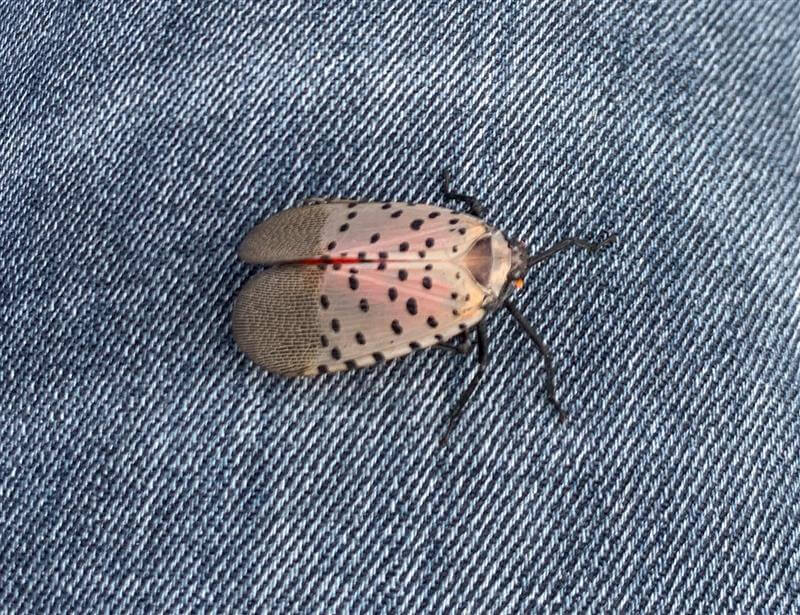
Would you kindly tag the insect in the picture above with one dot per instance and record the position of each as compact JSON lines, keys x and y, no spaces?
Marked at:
{"x":353,"y":283}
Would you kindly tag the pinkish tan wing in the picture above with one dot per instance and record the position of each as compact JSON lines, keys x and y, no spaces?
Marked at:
{"x":355,"y":229}
{"x":303,"y":320}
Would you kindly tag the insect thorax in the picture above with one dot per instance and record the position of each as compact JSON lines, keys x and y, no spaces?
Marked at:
{"x":489,"y":261}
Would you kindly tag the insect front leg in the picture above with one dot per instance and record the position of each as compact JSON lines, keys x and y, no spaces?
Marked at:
{"x":550,"y":379}
{"x":483,"y":361}
{"x":475,"y":208}
{"x":571,"y":242}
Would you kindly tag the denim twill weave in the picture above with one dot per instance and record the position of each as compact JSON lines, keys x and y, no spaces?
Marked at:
{"x":147,"y":465}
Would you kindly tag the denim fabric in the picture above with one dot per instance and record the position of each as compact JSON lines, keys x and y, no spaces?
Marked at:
{"x":146,"y":464}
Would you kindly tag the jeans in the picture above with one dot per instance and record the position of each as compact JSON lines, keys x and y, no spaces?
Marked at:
{"x":147,"y":465}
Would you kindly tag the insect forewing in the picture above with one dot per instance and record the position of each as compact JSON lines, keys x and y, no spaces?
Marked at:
{"x":303,"y":320}
{"x":365,"y":229}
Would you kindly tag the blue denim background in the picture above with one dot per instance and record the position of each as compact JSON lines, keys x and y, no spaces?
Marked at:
{"x":146,"y":464}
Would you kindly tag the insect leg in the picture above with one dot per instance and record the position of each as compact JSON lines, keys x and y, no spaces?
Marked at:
{"x":463,"y":346}
{"x":570,"y":242}
{"x":545,"y":352}
{"x":483,"y":361}
{"x":474,"y":205}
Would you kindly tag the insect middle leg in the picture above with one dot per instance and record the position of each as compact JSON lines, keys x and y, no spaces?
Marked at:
{"x":475,"y":208}
{"x":483,"y":361}
{"x":464,"y":345}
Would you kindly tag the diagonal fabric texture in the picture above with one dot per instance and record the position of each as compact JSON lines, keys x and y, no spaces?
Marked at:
{"x":147,"y":466}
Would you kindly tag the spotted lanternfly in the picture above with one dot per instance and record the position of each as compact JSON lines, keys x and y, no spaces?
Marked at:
{"x":353,"y":283}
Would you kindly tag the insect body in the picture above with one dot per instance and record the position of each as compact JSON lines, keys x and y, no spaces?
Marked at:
{"x":354,"y":283}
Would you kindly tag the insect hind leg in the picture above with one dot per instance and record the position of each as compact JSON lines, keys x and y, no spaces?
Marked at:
{"x":475,"y":207}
